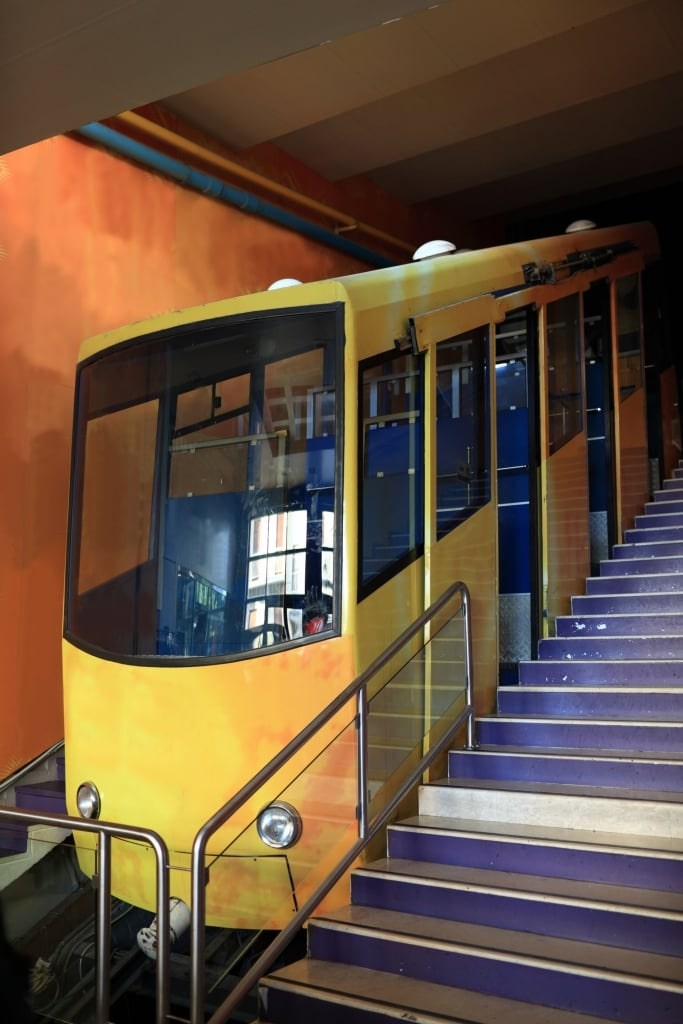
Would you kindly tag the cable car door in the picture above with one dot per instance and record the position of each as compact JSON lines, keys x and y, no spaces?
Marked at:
{"x":597,"y":320}
{"x":517,"y":433}
{"x":564,"y":457}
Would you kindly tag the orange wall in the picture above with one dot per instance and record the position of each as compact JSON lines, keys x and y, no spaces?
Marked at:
{"x":89,"y":242}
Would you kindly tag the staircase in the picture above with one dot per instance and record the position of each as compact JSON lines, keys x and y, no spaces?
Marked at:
{"x":542,"y":881}
{"x":39,"y":787}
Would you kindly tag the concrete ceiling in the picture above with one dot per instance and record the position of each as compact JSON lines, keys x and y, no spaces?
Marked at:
{"x":494,"y":107}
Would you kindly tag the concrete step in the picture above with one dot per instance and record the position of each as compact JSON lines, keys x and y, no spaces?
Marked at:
{"x":649,"y":921}
{"x":637,"y":812}
{"x":311,"y":991}
{"x":499,"y":964}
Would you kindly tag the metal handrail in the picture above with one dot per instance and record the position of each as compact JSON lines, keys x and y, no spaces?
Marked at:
{"x":20,"y":773}
{"x":105,"y":831}
{"x":357,"y":688}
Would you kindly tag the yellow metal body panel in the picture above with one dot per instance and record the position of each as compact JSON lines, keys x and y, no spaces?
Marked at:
{"x":166,"y":747}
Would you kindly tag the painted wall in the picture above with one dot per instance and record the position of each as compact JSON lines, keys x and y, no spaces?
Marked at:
{"x":89,"y":242}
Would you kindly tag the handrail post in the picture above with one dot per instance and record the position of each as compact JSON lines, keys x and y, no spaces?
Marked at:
{"x":363,"y":761}
{"x":198,"y":917}
{"x":163,"y":934}
{"x":469,"y":668}
{"x":103,"y":927}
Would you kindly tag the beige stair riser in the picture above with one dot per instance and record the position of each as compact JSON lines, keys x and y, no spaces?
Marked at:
{"x":555,"y":810}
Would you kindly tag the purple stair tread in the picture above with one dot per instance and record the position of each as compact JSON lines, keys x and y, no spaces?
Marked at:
{"x":311,"y":990}
{"x":661,"y":648}
{"x":607,"y":894}
{"x":609,"y":604}
{"x":516,"y":975}
{"x":610,"y":735}
{"x":665,"y":503}
{"x":653,"y":583}
{"x":630,"y":703}
{"x":600,"y":672}
{"x":549,"y":906}
{"x":46,"y":796}
{"x":535,"y":851}
{"x":657,"y":775}
{"x":657,"y":518}
{"x":635,"y":565}
{"x":620,"y":624}
{"x":648,"y":549}
{"x":13,"y":838}
{"x":544,"y":912}
{"x":653,"y":533}
{"x":572,"y":752}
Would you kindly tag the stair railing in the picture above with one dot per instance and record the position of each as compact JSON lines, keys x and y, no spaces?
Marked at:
{"x":11,"y":780}
{"x":105,"y":831}
{"x":367,"y":829}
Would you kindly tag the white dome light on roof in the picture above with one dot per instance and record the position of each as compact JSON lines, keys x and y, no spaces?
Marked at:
{"x":284,"y":282}
{"x":580,"y":225}
{"x":437,"y":247}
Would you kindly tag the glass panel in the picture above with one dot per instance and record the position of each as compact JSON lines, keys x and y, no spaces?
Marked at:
{"x":392,"y":469}
{"x":565,"y":375}
{"x":417,"y":704}
{"x":218,"y":460}
{"x":629,"y":335}
{"x":463,"y":455}
{"x":117,"y":494}
{"x":419,"y":697}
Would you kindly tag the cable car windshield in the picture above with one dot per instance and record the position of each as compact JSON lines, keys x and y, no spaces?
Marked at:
{"x":204,"y":482}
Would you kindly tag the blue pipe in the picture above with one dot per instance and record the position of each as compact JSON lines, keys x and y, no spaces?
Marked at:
{"x":217,"y":189}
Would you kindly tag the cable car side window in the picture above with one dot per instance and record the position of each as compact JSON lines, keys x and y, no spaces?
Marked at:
{"x":391,"y":466}
{"x":463,"y":443}
{"x":565,"y":372}
{"x":629,"y":335}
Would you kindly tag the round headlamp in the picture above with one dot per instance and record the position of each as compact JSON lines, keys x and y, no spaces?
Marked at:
{"x":88,"y":800}
{"x":279,"y":825}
